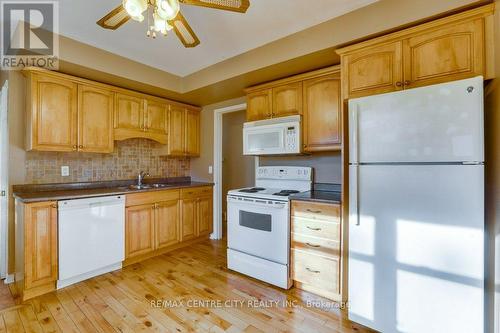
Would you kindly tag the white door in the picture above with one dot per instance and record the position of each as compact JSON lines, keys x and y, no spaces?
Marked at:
{"x":416,"y":247}
{"x":4,"y":151}
{"x":440,"y":123}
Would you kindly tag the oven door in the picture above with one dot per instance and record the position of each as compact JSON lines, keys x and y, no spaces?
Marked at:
{"x":259,"y":227}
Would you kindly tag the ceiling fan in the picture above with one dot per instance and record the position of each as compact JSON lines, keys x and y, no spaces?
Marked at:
{"x":164,"y":15}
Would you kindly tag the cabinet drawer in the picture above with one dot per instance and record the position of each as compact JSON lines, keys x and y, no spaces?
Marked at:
{"x":316,"y":228}
{"x":314,"y":245}
{"x":314,"y":210}
{"x":317,"y":271}
{"x":150,"y":197}
{"x":196,"y":192}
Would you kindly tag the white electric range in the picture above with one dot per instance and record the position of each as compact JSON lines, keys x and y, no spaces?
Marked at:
{"x":259,"y":224}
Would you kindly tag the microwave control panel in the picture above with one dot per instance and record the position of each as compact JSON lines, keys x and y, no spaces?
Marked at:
{"x":291,"y":138}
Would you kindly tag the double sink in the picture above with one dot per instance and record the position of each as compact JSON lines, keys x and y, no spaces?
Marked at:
{"x":148,"y":186}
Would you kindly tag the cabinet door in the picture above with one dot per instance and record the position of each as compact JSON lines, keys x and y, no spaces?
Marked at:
{"x":54,"y":114}
{"x":192,"y":133}
{"x":287,"y":100}
{"x":322,"y":113}
{"x":259,"y":105}
{"x":139,"y":230}
{"x":167,"y":223}
{"x":372,"y":71}
{"x":444,"y":54}
{"x":205,"y":225}
{"x":129,"y":112}
{"x":95,"y":120}
{"x":176,"y":133}
{"x":189,"y":215}
{"x":40,"y":248}
{"x":156,"y":117}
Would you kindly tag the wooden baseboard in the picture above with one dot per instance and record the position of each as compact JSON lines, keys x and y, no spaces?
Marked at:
{"x":133,"y":260}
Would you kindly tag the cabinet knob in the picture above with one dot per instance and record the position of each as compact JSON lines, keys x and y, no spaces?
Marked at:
{"x":53,"y":205}
{"x":398,"y":84}
{"x":407,"y":83}
{"x":75,"y":147}
{"x":80,"y":146}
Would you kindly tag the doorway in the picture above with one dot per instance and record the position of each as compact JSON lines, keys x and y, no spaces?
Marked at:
{"x":237,"y":170}
{"x":4,"y":151}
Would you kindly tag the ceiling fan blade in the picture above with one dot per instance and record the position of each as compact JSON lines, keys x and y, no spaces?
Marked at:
{"x":240,"y":6}
{"x":114,"y":19}
{"x":184,"y":31}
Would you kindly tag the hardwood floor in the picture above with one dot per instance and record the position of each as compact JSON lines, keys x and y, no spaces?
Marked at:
{"x":6,"y":299}
{"x":159,"y":295}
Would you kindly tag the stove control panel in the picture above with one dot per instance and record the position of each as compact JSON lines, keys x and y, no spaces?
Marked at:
{"x":284,"y":173}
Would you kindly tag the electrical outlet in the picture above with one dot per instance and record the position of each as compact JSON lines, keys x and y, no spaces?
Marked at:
{"x":65,"y":171}
{"x":210,"y":170}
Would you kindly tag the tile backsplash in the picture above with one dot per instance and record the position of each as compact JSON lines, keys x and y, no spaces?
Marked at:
{"x":128,"y":158}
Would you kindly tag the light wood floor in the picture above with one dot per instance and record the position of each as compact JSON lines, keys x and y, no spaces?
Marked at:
{"x":121,"y":301}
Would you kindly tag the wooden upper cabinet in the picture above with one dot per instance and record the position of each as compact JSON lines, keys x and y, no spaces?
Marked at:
{"x":95,"y":119}
{"x":40,"y":244}
{"x":448,"y":49}
{"x":192,"y":126}
{"x":129,"y":112}
{"x":53,"y":116}
{"x":176,"y":130}
{"x":167,"y":222}
{"x":444,"y":54}
{"x":375,"y":70}
{"x":156,"y":117}
{"x":322,"y":113}
{"x":259,"y":105}
{"x":287,"y":100}
{"x":139,"y":230}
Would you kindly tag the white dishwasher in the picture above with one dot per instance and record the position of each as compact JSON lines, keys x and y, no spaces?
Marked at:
{"x":91,"y":237}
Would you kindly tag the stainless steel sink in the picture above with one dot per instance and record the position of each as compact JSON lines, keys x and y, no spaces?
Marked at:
{"x":140,"y":187}
{"x":160,"y":185}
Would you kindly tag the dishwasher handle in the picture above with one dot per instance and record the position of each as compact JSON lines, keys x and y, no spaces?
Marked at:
{"x":92,"y":202}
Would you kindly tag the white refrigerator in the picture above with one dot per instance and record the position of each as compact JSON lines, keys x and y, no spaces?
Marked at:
{"x":416,"y":202}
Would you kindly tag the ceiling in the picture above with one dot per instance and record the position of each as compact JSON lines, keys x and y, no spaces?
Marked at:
{"x":223,"y":34}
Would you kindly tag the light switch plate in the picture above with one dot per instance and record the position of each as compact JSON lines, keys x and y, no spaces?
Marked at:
{"x":210,"y":170}
{"x":65,"y":171}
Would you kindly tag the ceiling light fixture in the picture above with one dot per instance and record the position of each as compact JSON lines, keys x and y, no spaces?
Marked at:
{"x":135,"y":8}
{"x":167,"y":9}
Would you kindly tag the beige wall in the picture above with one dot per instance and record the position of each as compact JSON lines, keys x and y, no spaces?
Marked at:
{"x":237,"y":170}
{"x":492,"y":120}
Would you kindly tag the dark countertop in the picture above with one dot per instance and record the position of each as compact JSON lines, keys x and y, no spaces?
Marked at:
{"x":325,"y":193}
{"x":318,"y":196}
{"x":48,"y":192}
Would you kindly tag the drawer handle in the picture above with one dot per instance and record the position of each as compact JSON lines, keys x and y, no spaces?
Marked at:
{"x":312,"y":270}
{"x":313,"y":229}
{"x":314,"y":211}
{"x":312,"y":245}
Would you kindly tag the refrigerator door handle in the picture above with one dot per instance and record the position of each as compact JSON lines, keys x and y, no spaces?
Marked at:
{"x":354,"y":132}
{"x":354,"y":195}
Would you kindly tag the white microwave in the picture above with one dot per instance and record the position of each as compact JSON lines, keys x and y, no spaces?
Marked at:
{"x":278,"y":136}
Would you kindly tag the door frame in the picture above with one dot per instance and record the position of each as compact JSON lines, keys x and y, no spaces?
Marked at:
{"x":217,"y":216}
{"x":4,"y":181}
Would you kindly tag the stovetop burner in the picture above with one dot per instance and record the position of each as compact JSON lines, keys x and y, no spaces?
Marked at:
{"x":286,"y":193}
{"x":252,"y":190}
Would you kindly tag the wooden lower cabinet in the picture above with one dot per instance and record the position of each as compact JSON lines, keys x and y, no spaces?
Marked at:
{"x":196,"y":213}
{"x":139,"y":230}
{"x":167,"y":223}
{"x":36,"y":248}
{"x":189,"y":217}
{"x":316,"y":248}
{"x":159,"y":221}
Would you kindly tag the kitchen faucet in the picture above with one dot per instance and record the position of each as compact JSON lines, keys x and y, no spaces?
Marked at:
{"x":140,"y":177}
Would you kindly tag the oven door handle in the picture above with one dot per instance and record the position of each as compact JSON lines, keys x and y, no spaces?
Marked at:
{"x":257,"y":202}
